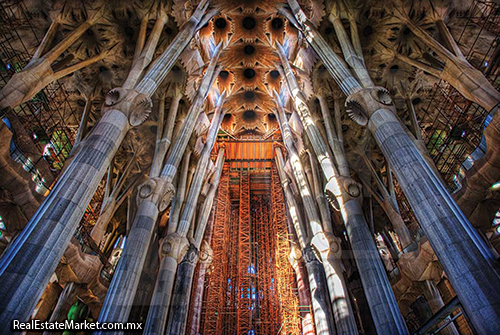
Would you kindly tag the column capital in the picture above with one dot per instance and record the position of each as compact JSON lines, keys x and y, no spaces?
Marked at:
{"x":174,"y":246}
{"x":295,"y":257}
{"x":342,"y":187}
{"x":157,"y":190}
{"x":206,"y":253}
{"x":328,"y":245}
{"x":364,"y":102}
{"x":136,"y":106}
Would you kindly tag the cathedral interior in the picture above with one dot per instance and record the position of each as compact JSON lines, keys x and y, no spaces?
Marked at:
{"x":251,"y":167}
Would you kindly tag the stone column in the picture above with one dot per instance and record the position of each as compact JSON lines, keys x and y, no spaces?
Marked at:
{"x":209,"y":199}
{"x":323,"y":319}
{"x":66,"y":300}
{"x":181,"y":293}
{"x":47,"y":302}
{"x":206,"y":256}
{"x":298,"y":171}
{"x":112,"y":201}
{"x":170,"y":168}
{"x":342,"y":313}
{"x":297,"y":263}
{"x":165,"y":139}
{"x":49,"y":231}
{"x":467,"y":261}
{"x":292,"y":207}
{"x":355,"y":61}
{"x":345,"y":193}
{"x":162,"y":65}
{"x":182,"y":290}
{"x":154,"y":196}
{"x":431,"y":293}
{"x":173,"y":249}
{"x":178,"y":201}
{"x":337,"y":287}
{"x":464,"y":256}
{"x":331,"y":256}
{"x":383,"y":306}
{"x":201,"y":169}
{"x":184,"y":279}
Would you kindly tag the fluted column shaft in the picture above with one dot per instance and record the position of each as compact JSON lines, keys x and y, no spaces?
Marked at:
{"x":66,"y":300}
{"x":292,"y":207}
{"x":468,"y":263}
{"x":206,"y":256}
{"x":201,"y":169}
{"x":31,"y":259}
{"x":323,"y":319}
{"x":162,"y":65}
{"x":166,"y":137}
{"x":298,"y":171}
{"x":170,"y":168}
{"x":331,"y":257}
{"x":346,"y":192}
{"x":209,"y":200}
{"x":120,"y":295}
{"x":162,"y":295}
{"x":342,"y":313}
{"x":49,"y":231}
{"x":303,"y":288}
{"x":179,"y":305}
{"x":334,"y":64}
{"x":154,"y":196}
{"x":178,"y":316}
{"x":198,"y":300}
{"x":354,"y":60}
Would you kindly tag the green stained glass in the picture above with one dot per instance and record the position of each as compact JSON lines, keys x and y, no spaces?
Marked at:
{"x":436,"y":141}
{"x":62,"y":147}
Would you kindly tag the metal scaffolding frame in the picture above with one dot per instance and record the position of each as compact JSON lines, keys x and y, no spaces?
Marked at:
{"x":267,"y":316}
{"x":45,"y":116}
{"x":245,"y":272}
{"x":452,"y":126}
{"x":216,"y":282}
{"x":456,"y":130}
{"x":250,"y":288}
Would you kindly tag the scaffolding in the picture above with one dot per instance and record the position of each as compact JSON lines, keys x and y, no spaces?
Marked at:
{"x":216,"y":279}
{"x":45,"y":117}
{"x":245,"y":266}
{"x":452,"y":125}
{"x":264,"y":298}
{"x":250,"y":152}
{"x":250,"y":288}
